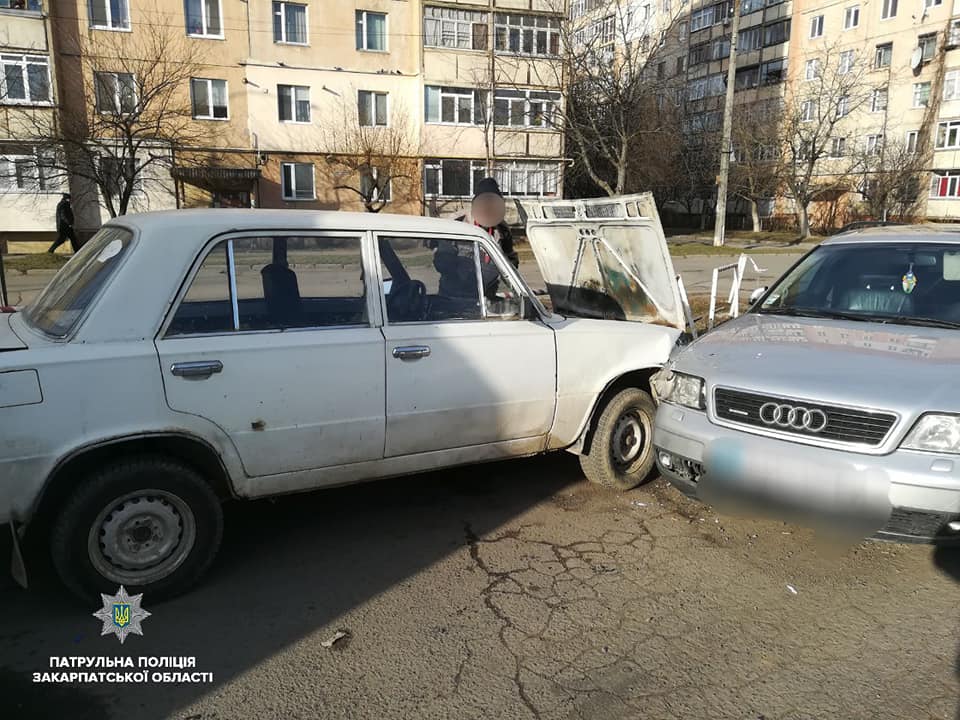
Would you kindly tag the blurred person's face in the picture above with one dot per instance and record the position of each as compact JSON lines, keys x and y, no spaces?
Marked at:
{"x":488,"y":209}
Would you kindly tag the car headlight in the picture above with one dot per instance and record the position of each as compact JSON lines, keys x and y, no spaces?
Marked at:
{"x":687,"y":390}
{"x":935,"y":433}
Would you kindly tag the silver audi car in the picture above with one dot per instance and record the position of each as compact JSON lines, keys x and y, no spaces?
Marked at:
{"x":835,"y":398}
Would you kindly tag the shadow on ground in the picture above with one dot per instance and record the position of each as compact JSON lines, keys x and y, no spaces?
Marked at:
{"x":947,"y":560}
{"x":286,"y":568}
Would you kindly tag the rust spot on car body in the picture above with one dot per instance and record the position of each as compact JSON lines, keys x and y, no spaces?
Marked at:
{"x":258,"y":425}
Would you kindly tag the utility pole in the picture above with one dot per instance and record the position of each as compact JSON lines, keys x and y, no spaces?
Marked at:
{"x":725,"y":149}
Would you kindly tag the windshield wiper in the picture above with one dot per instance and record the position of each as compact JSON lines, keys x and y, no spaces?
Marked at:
{"x":814,"y":313}
{"x":918,"y":321}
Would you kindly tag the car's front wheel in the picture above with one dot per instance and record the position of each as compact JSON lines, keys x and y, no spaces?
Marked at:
{"x":621,"y":451}
{"x":151,"y":524}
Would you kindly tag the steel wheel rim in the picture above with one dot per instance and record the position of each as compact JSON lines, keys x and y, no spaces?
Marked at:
{"x":629,"y":440}
{"x":141,"y":537}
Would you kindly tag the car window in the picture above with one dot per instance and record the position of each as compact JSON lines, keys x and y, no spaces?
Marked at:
{"x":275,"y":283}
{"x":435,"y":280}
{"x":58,"y":309}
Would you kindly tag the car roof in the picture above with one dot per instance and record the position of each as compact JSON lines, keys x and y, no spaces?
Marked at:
{"x":218,"y":220}
{"x":919,"y":233}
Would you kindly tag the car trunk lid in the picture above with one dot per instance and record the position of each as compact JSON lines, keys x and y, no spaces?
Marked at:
{"x":605,"y":258}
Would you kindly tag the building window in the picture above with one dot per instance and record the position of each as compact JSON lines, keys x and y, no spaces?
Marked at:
{"x":847,"y":58}
{"x":948,"y":135}
{"x":851,"y":17}
{"x":371,"y":31}
{"x":838,"y":147}
{"x":372,"y":187}
{"x":928,"y":45}
{"x":883,"y":56}
{"x":682,"y":31}
{"x":372,"y":108}
{"x":293,"y":103}
{"x":290,"y":23}
{"x":681,"y":65}
{"x":457,"y":178}
{"x":209,"y":99}
{"x":110,"y":14}
{"x":721,"y":48}
{"x":25,"y":169}
{"x":748,"y":40}
{"x":812,"y":69}
{"x":456,"y":106}
{"x":932,"y":3}
{"x":748,"y":77}
{"x":26,"y":79}
{"x":921,"y":94}
{"x":912,"y":139}
{"x":772,"y":72}
{"x":699,"y":54}
{"x":749,"y":6}
{"x":524,"y":108}
{"x":888,"y":10}
{"x":878,"y":100}
{"x":203,"y":18}
{"x":945,"y":184}
{"x":808,"y":110}
{"x":116,"y":92}
{"x":843,"y":106}
{"x":461,"y":29}
{"x":527,"y":34}
{"x":953,"y":38}
{"x":296,"y":181}
{"x":874,"y":144}
{"x":31,"y":5}
{"x":777,"y":33}
{"x":816,"y":26}
{"x":951,"y":85}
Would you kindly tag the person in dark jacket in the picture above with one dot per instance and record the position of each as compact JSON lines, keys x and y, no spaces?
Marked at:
{"x":488,"y":211}
{"x":65,"y":225}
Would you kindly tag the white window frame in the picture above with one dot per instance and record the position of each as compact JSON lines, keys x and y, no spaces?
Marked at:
{"x":528,"y":101}
{"x":911,"y":139}
{"x":282,"y":12}
{"x":117,"y":108}
{"x":843,"y":106}
{"x":931,"y":3}
{"x":40,"y":183}
{"x":360,"y":17}
{"x":293,"y":104}
{"x":23,"y":62}
{"x":838,"y":147}
{"x":951,"y":85}
{"x":851,"y":17}
{"x":874,"y":144}
{"x":108,"y":11}
{"x":204,"y":33}
{"x":953,"y":184}
{"x":883,"y":50}
{"x":816,"y":27}
{"x":847,"y":60}
{"x":811,"y":69}
{"x":459,"y":95}
{"x":506,"y":173}
{"x":374,"y":173}
{"x":888,"y":9}
{"x":458,"y":24}
{"x":918,"y":88}
{"x":927,"y":40}
{"x":949,"y":127}
{"x":209,"y":115}
{"x":512,"y":21}
{"x":285,"y":191}
{"x":373,"y":95}
{"x":875,"y":99}
{"x":808,"y":111}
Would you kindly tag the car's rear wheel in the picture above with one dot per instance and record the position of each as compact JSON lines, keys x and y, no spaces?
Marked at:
{"x":621,"y":451}
{"x":150,"y":524}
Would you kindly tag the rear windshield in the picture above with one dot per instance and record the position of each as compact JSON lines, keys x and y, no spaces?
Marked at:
{"x":58,"y":309}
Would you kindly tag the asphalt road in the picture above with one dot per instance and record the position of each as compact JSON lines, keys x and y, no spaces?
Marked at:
{"x":516,"y":590}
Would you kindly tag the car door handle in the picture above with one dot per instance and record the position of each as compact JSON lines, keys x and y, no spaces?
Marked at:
{"x":197,"y":368}
{"x":411,"y":352}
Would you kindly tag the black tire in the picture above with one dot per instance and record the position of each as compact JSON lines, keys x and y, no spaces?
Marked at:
{"x":627,"y":416}
{"x":127,"y":501}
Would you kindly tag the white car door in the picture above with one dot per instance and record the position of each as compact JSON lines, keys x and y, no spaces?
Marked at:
{"x":275,"y":341}
{"x":464,"y":368}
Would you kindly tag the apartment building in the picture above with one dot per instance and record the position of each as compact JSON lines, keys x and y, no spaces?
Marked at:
{"x":907,"y":54}
{"x":27,"y":196}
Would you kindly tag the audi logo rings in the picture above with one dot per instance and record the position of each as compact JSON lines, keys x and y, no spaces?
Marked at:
{"x":793,"y":417}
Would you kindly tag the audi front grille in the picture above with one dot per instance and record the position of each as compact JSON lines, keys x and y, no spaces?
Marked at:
{"x":804,"y":418}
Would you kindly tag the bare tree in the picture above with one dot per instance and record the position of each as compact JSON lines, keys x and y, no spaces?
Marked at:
{"x":124,"y":112}
{"x":369,"y":148}
{"x":890,"y":176}
{"x":815,"y":162}
{"x":616,"y":89}
{"x":753,"y":175}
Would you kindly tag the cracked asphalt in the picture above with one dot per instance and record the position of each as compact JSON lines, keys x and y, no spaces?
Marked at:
{"x":516,"y":590}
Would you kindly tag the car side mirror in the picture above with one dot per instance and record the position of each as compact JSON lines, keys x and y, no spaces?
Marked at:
{"x":757,"y":294}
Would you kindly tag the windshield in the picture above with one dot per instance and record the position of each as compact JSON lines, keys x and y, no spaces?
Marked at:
{"x":906,"y":283}
{"x":58,"y":309}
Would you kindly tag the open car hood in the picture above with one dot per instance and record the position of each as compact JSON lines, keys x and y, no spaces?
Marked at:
{"x":605,"y":258}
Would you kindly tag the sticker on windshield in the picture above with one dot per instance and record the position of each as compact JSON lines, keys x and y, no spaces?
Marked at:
{"x":909,"y":281}
{"x":110,"y":250}
{"x":951,"y":266}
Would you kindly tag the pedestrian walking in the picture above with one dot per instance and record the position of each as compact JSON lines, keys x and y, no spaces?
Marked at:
{"x":65,"y":225}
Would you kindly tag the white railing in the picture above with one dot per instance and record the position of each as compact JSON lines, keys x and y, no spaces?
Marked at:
{"x":733,"y":298}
